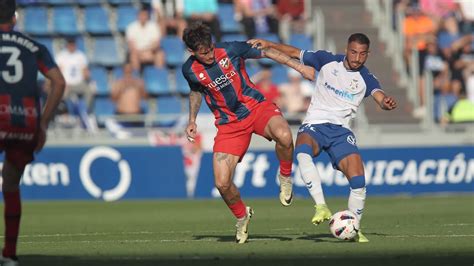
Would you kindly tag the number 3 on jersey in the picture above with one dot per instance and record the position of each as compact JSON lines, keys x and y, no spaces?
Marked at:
{"x":13,"y":61}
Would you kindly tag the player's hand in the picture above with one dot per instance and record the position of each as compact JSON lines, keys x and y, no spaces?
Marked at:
{"x":389,"y":103}
{"x":41,"y":137}
{"x":259,"y":43}
{"x":191,"y":131}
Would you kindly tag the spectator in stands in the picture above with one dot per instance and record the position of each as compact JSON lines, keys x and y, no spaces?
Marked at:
{"x":461,"y":62}
{"x":461,"y":112}
{"x":127,"y":93}
{"x":257,"y":16}
{"x":291,"y":17}
{"x":75,"y":67}
{"x":296,"y":94}
{"x":264,"y":83}
{"x":437,"y":9}
{"x":79,"y":94}
{"x":204,"y":11}
{"x":143,"y":38}
{"x":169,"y":15}
{"x":449,"y":33}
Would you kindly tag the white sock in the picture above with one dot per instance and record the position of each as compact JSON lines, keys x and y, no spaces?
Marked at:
{"x":357,"y":201}
{"x":311,"y":177}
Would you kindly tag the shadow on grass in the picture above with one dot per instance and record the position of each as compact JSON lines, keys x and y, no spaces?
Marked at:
{"x":422,"y":259}
{"x":231,"y":238}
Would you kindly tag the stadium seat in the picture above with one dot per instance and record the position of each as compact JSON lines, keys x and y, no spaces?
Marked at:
{"x":88,"y":2}
{"x":96,"y":20}
{"x":105,"y":52}
{"x":80,"y":43}
{"x":226,"y":18}
{"x":182,"y":86}
{"x":204,"y":109}
{"x":104,"y":107}
{"x":60,"y":2}
{"x":64,"y":20}
{"x":234,"y":37}
{"x":252,"y":67}
{"x":168,"y":110}
{"x":174,"y":50}
{"x":279,"y":74}
{"x":100,"y":76}
{"x":121,"y":2}
{"x":31,"y":17}
{"x":48,"y":42}
{"x":301,"y":41}
{"x":126,"y":14}
{"x":156,"y":81}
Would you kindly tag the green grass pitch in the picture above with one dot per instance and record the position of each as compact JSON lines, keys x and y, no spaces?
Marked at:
{"x":425,"y":230}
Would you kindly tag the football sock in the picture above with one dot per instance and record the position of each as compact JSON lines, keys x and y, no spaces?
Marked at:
{"x":311,"y":177}
{"x":12,"y":214}
{"x":357,"y":196}
{"x":238,"y":209}
{"x":285,"y":167}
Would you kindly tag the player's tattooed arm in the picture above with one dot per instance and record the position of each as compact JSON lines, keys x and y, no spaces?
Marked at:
{"x":385,"y":102}
{"x":306,"y":71}
{"x":195,"y":99}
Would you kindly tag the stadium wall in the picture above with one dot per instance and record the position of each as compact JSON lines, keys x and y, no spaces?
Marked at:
{"x":112,"y":173}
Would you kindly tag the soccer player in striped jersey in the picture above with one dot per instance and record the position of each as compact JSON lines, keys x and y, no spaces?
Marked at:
{"x":22,"y":122}
{"x":217,"y":72}
{"x":343,"y":82}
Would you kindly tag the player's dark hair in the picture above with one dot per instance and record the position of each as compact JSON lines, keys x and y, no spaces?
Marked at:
{"x":7,"y":10}
{"x":197,"y":35}
{"x":359,"y":38}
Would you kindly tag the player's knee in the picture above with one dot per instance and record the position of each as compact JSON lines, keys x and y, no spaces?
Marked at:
{"x":283,"y":137}
{"x":222,"y":186}
{"x":357,"y":182}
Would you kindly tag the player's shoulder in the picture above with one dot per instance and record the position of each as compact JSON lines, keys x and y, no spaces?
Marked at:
{"x":22,"y":40}
{"x":186,"y":67}
{"x":368,"y":76}
{"x":324,"y":54}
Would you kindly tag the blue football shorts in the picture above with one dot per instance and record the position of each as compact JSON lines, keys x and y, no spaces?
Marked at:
{"x":336,"y":140}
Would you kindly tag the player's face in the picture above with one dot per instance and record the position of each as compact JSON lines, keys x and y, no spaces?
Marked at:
{"x":205,"y":55}
{"x":356,"y":55}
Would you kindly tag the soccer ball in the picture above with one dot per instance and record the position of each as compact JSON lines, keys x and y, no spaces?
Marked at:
{"x":344,"y":225}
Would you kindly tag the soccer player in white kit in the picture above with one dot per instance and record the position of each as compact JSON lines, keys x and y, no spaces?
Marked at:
{"x":342,"y":83}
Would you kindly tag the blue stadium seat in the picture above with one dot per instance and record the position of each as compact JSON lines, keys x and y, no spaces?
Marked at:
{"x":182,"y":86}
{"x":226,"y":18}
{"x":301,"y":41}
{"x":105,"y":52}
{"x":60,"y":2}
{"x":104,"y":106}
{"x":64,"y":20}
{"x":252,"y":68}
{"x":122,"y":2}
{"x":204,"y":109}
{"x":48,"y":42}
{"x":156,"y":81}
{"x":35,"y":20}
{"x":279,"y":74}
{"x":170,"y":108}
{"x":125,"y":15}
{"x":80,"y":43}
{"x":100,"y":76}
{"x":234,"y":37}
{"x":89,"y":2}
{"x":96,"y":20}
{"x":174,"y":50}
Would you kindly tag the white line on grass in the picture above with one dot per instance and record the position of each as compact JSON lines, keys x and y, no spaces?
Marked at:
{"x":427,"y":236}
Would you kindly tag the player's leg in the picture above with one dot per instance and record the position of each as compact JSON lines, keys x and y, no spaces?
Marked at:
{"x":224,"y":166}
{"x":12,"y":207}
{"x":278,"y":130}
{"x":353,"y":169}
{"x":306,"y":148}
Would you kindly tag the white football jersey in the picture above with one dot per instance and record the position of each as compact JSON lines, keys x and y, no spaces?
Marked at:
{"x":338,"y":91}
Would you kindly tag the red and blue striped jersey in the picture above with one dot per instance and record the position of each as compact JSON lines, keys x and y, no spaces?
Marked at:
{"x":225,"y":84}
{"x":20,"y":60}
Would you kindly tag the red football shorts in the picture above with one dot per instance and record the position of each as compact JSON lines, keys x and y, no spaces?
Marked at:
{"x":234,"y":138}
{"x":19,"y":152}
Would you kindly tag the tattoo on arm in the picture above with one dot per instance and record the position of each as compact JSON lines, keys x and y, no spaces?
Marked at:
{"x":306,"y":71}
{"x":195,"y":99}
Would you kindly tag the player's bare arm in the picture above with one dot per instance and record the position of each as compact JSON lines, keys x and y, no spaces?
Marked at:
{"x":195,"y":99}
{"x":58,"y":84}
{"x":306,"y":71}
{"x":385,"y":102}
{"x":289,"y":50}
